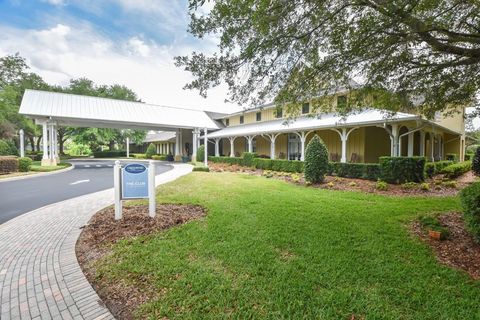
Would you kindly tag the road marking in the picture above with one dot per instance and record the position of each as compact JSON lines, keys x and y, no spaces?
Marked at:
{"x":110,"y":165}
{"x":79,"y":181}
{"x":98,"y":166}
{"x":87,"y":166}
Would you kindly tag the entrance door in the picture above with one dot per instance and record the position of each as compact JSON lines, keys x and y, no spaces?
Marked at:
{"x":294,"y":147}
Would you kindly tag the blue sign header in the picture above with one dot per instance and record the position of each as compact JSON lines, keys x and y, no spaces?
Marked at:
{"x":134,"y":181}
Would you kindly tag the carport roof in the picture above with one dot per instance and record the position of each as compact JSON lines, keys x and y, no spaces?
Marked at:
{"x":86,"y":111}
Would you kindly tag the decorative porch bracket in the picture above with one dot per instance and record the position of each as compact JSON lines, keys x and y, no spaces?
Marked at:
{"x":217,"y":147}
{"x":250,"y":143}
{"x":344,"y":134}
{"x":272,"y":137}
{"x":303,"y":138}
{"x":232,"y":145}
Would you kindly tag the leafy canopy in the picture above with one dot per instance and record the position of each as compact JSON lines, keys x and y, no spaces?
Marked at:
{"x":422,"y":54}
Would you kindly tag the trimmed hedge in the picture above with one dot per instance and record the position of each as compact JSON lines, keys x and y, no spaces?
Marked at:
{"x":368,"y":171}
{"x":433,"y":168}
{"x":201,"y":169}
{"x":476,"y":162}
{"x":8,"y":164}
{"x":161,"y":157}
{"x":470,"y":201}
{"x":109,"y":154}
{"x":457,"y":169}
{"x":402,"y":169}
{"x":279,"y":165}
{"x":248,"y":159}
{"x":24,"y":164}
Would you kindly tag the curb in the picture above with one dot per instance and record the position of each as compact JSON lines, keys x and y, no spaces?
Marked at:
{"x":39,"y":174}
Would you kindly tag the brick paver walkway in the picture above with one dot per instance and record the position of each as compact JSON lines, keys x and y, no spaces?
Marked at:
{"x":39,"y":274}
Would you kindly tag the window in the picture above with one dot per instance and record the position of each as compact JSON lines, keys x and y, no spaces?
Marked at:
{"x":241,"y":119}
{"x":341,"y":101}
{"x":294,"y":147}
{"x":227,"y":122}
{"x":305,"y":108}
{"x":279,"y":113}
{"x":259,"y":116}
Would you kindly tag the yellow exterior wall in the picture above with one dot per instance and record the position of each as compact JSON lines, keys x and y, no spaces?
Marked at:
{"x":377,"y":144}
{"x":455,"y":122}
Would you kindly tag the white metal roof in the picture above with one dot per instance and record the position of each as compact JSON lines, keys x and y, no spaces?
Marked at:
{"x":159,"y":136}
{"x":329,"y":120}
{"x":86,"y":111}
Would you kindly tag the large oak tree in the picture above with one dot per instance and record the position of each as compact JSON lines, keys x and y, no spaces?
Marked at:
{"x":422,"y":54}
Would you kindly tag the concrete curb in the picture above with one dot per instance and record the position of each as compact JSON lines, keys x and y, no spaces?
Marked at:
{"x":39,"y":174}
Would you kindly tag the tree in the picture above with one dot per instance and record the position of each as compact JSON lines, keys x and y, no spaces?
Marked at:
{"x":150,"y":151}
{"x":316,"y":160}
{"x":422,"y":55}
{"x":476,"y":162}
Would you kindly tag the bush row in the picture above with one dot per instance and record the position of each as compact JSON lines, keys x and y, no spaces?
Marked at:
{"x":109,"y":154}
{"x":260,"y":163}
{"x":457,"y":169}
{"x":369,"y":171}
{"x":470,"y":200}
{"x":24,"y":164}
{"x":7,"y":148}
{"x":402,"y":169}
{"x":433,"y":168}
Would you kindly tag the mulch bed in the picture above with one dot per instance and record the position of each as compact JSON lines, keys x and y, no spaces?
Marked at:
{"x":459,"y":250}
{"x":102,"y":231}
{"x":437,"y":187}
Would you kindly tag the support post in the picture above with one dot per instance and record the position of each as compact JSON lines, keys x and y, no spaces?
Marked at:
{"x":272,"y":137}
{"x":394,"y":140}
{"x":410,"y":144}
{"x":45,"y":159}
{"x":422,"y":143}
{"x":22,"y":142}
{"x":303,"y":138}
{"x":217,"y":147}
{"x":128,"y":146}
{"x":117,"y":189}
{"x":250,"y":143}
{"x":205,"y":137}
{"x":152,"y":206}
{"x":343,"y":137}
{"x":232,"y":146}
{"x":432,"y":143}
{"x":194,"y":144}
{"x":177,"y":145}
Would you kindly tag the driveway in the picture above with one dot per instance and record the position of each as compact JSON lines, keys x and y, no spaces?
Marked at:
{"x":21,"y":196}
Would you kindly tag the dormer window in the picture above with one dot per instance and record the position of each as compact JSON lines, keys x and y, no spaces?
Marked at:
{"x":306,"y":108}
{"x":259,"y":116}
{"x":241,"y":119}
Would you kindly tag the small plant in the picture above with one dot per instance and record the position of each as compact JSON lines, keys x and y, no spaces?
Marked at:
{"x":435,"y":229}
{"x":450,"y":184}
{"x":424,"y":186}
{"x":330,"y":184}
{"x":437,"y":182}
{"x":352,"y":184}
{"x":381,"y":185}
{"x":409,"y":185}
{"x":151,"y":150}
{"x":24,"y":164}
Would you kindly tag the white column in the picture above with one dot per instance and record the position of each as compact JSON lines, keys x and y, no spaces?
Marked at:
{"x":432,"y":143}
{"x":343,"y":137}
{"x":127,"y":141}
{"x":50,"y":140}
{"x":45,"y":141}
{"x":394,"y":140}
{"x":410,"y":144}
{"x":250,"y":143}
{"x":194,"y":144}
{"x":217,"y":147}
{"x":177,"y":145}
{"x":116,"y":185}
{"x":152,"y":206}
{"x":22,"y":142}
{"x":205,"y":139}
{"x":422,"y":143}
{"x":272,"y":137}
{"x":303,"y":139}
{"x":232,"y":146}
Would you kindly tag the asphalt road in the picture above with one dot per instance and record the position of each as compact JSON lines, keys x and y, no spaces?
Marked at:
{"x":21,"y":196}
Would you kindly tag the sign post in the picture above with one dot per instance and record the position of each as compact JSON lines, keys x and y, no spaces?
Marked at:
{"x":134,"y":181}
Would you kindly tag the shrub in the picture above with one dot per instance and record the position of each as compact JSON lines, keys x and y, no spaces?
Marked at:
{"x":201,"y":168}
{"x":7,"y":148}
{"x":476,"y":162}
{"x":139,"y":155}
{"x":381,"y":185}
{"x":409,"y":185}
{"x":451,"y":157}
{"x":457,"y":169}
{"x":161,"y":157}
{"x":470,"y":201}
{"x":425,"y":186}
{"x":316,"y":160}
{"x":450,"y":184}
{"x":433,"y":168}
{"x":402,"y":169}
{"x":24,"y":164}
{"x":432,"y":223}
{"x":170,"y":157}
{"x":8,"y":164}
{"x":369,"y":171}
{"x":248,"y":158}
{"x":109,"y":154}
{"x":151,"y":150}
{"x":201,"y":153}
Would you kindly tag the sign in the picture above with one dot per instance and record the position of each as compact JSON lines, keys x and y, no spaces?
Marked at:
{"x":134,"y":181}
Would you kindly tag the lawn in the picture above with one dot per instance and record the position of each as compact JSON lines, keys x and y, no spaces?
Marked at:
{"x":269,"y":249}
{"x":37,"y":167}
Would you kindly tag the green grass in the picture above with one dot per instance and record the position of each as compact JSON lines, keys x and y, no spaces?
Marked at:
{"x":272,"y":250}
{"x":37,"y":167}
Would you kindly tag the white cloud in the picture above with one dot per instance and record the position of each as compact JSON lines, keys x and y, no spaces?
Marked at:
{"x":55,"y":2}
{"x":67,"y":51}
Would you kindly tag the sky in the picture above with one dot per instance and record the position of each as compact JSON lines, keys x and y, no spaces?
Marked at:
{"x":128,"y":42}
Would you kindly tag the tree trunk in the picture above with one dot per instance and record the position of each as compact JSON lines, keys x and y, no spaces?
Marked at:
{"x":61,"y":140}
{"x":61,"y":143}
{"x":38,"y":142}
{"x":32,"y":142}
{"x":111,"y":144}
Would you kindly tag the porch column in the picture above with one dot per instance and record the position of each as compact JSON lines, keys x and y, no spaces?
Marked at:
{"x":45,"y":144}
{"x":194,"y":144}
{"x":394,"y":140}
{"x":422,"y":143}
{"x":232,"y":145}
{"x":22,"y":142}
{"x":217,"y":147}
{"x":205,"y":142}
{"x":127,"y":142}
{"x":432,"y":144}
{"x":177,"y":145}
{"x":410,"y":144}
{"x":250,"y":143}
{"x":344,"y":134}
{"x":272,"y":137}
{"x":303,"y":138}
